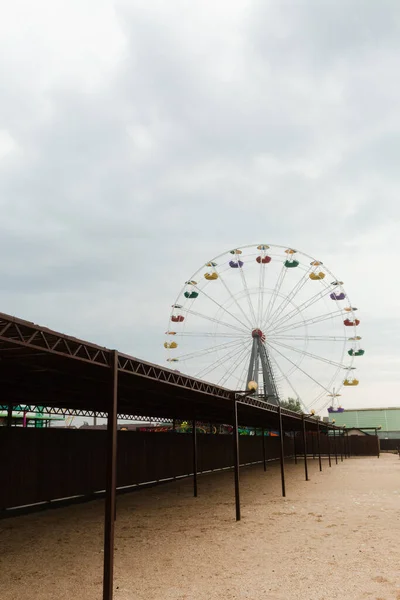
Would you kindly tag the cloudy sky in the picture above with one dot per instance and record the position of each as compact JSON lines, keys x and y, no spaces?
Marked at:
{"x":140,"y":138}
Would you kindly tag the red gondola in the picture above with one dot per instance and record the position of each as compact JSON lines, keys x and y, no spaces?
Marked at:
{"x":177,"y":318}
{"x":264,"y":260}
{"x":349,"y":323}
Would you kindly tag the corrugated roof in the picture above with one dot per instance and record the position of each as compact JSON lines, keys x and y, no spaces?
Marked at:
{"x":386,"y":418}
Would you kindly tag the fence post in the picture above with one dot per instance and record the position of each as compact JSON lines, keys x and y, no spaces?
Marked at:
{"x":341,"y":445}
{"x":194,"y":439}
{"x":319,"y":447}
{"x":9,"y":414}
{"x":236,"y":459}
{"x":263,"y":447}
{"x":378,"y":450}
{"x":305,"y":448}
{"x":334,"y":445}
{"x":282,"y":452}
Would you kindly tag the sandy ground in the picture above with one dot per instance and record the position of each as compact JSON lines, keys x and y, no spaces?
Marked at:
{"x":336,"y":536}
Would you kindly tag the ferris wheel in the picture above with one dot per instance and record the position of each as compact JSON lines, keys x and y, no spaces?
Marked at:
{"x":271,"y":315}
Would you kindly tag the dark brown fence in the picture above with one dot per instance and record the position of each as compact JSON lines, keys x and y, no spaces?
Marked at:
{"x":40,"y":465}
{"x":392,"y":444}
{"x":49,"y":464}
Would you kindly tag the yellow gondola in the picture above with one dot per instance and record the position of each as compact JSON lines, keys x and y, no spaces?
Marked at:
{"x":211,"y":276}
{"x":350,"y":308}
{"x":170,"y":345}
{"x":290,"y":251}
{"x":316,"y":263}
{"x":237,"y":251}
{"x":262,"y":247}
{"x":170,"y":333}
{"x":351,"y":382}
{"x":191,"y":282}
{"x":317,"y":276}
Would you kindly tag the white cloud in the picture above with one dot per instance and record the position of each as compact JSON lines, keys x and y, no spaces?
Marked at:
{"x":139,"y":139}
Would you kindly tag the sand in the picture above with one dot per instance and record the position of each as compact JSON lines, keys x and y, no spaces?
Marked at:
{"x":336,"y":536}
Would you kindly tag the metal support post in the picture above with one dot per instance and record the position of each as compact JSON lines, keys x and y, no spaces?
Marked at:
{"x":305,"y":448}
{"x":194,"y":438}
{"x":282,"y":452}
{"x":263,"y":448}
{"x":236,"y":459}
{"x":9,"y":414}
{"x":111,"y":483}
{"x":378,"y":450}
{"x":294,"y":448}
{"x":341,"y":445}
{"x":329,"y":447}
{"x":319,"y":447}
{"x":349,"y":444}
{"x":313,"y":445}
{"x":334,"y":445}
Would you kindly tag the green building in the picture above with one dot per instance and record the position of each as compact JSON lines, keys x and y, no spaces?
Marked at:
{"x":388,"y":419}
{"x":25,"y":416}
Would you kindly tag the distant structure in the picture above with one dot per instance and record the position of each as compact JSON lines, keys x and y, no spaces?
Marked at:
{"x":386,"y":420}
{"x":23,"y":416}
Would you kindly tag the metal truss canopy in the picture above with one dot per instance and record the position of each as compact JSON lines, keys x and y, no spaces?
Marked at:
{"x":40,"y":367}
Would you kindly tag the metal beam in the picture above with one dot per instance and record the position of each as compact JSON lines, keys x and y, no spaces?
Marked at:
{"x":282,"y":453}
{"x":335,"y":446}
{"x":111,"y":484}
{"x":348,"y":444}
{"x":329,"y":446}
{"x":9,"y":414}
{"x":305,"y":450}
{"x":236,"y":459}
{"x":263,"y":448}
{"x":319,"y":446}
{"x":341,"y":444}
{"x":194,"y":438}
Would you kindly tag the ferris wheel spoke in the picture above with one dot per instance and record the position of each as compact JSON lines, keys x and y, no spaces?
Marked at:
{"x":211,"y":334}
{"x":261,"y":281}
{"x":221,"y":306}
{"x":299,"y":368}
{"x":274,"y":296}
{"x":310,"y":321}
{"x":292,"y":294}
{"x":306,"y":304}
{"x":243,"y":375}
{"x":277,"y":365}
{"x":234,"y":366}
{"x":251,"y":307}
{"x":209,"y":350}
{"x":213,"y":320}
{"x":319,"y":338}
{"x":219,"y":362}
{"x":233,"y":297}
{"x":309,"y":354}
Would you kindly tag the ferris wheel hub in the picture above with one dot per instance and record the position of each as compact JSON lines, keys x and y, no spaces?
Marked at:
{"x":258,"y":333}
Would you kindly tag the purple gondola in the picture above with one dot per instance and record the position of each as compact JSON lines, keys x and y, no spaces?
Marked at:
{"x":234,"y":264}
{"x":340,"y":296}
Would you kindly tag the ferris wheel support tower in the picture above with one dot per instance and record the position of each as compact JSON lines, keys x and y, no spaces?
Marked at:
{"x":259,"y":354}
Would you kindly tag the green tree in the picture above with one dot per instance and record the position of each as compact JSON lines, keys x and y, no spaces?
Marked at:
{"x":292,"y":404}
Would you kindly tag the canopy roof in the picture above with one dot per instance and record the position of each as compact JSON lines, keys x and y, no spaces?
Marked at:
{"x":41,"y":367}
